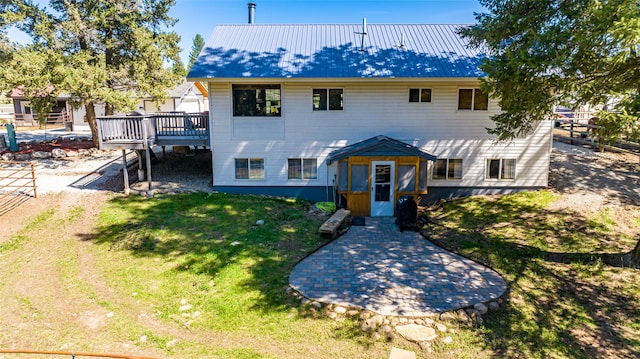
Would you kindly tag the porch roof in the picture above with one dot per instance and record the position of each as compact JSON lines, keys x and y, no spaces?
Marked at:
{"x":379,"y":146}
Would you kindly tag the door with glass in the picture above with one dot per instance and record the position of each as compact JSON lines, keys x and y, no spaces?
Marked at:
{"x":382,"y":188}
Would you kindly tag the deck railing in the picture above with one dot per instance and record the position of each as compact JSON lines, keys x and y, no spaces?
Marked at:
{"x":123,"y":129}
{"x":181,"y":124}
{"x":177,"y":128}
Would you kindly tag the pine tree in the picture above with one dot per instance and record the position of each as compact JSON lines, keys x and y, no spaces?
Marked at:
{"x":198,"y":45}
{"x":103,"y":51}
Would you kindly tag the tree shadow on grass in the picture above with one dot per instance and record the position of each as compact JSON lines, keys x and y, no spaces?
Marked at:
{"x":208,"y":234}
{"x":561,"y":269}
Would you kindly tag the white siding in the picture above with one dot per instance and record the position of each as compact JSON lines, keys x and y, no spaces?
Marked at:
{"x":370,"y":109}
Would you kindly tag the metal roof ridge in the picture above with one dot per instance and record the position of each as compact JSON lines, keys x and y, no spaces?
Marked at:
{"x":348,"y":24}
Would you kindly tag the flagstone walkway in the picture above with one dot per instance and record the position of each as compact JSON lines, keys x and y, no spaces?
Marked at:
{"x":378,"y":268}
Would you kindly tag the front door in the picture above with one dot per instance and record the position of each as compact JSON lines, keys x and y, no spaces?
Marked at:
{"x":382,"y":185}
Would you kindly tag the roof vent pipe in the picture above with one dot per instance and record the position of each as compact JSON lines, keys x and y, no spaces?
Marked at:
{"x":363,"y":33}
{"x":252,"y":12}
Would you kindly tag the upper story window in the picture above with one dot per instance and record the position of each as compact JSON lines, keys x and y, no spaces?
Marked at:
{"x":472,"y":99}
{"x":256,"y":100}
{"x":327,"y":99}
{"x":447,"y":169}
{"x":501,"y":169}
{"x":419,"y":95}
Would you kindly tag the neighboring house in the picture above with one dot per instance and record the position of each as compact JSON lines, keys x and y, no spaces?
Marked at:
{"x":186,"y":97}
{"x":369,"y":112}
{"x":190,"y":97}
{"x":24,"y":116}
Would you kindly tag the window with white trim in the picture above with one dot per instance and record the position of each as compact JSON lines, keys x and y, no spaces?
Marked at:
{"x":447,"y":169}
{"x":302,"y":168}
{"x":419,"y":95}
{"x":249,"y":168}
{"x":501,"y":169}
{"x":328,"y":99}
{"x":473,"y":99}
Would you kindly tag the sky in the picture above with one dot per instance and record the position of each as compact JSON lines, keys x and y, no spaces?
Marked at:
{"x":201,"y":16}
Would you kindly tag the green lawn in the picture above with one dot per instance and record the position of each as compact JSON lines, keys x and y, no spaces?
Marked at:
{"x":565,"y":301}
{"x":193,"y":275}
{"x":199,"y":261}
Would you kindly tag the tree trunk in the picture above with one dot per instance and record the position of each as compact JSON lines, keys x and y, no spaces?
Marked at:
{"x":90,"y":117}
{"x":635,"y":255}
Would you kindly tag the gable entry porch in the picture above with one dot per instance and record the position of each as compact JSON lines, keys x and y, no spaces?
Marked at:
{"x":373,"y":174}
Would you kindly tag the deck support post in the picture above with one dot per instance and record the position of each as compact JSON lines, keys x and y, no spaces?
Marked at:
{"x":140,"y":168}
{"x":125,"y":173}
{"x":164,"y":151}
{"x":148,"y":155}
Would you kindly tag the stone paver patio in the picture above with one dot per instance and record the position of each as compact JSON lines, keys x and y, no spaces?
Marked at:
{"x":378,"y":268}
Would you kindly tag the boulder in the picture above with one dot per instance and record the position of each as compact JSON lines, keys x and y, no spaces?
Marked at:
{"x":8,"y":156}
{"x":494,"y":306}
{"x":58,"y":153}
{"x":340,"y":310}
{"x":441,"y":327}
{"x":72,"y":154}
{"x":416,"y":333}
{"x":22,"y":157}
{"x":40,"y":155}
{"x":480,"y":308}
{"x":397,"y":353}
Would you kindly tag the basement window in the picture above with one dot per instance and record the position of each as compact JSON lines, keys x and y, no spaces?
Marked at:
{"x":302,"y":168}
{"x":249,"y":168}
{"x":501,"y":169}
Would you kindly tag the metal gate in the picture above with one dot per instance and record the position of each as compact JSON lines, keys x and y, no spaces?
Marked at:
{"x":17,"y":184}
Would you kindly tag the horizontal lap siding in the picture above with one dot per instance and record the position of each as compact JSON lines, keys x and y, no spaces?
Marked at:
{"x":370,"y":109}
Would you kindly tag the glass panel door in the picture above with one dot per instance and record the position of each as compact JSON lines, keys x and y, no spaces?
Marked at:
{"x":382,"y":188}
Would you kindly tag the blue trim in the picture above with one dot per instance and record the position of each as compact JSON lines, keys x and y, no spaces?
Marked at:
{"x":309,"y":193}
{"x":438,"y":193}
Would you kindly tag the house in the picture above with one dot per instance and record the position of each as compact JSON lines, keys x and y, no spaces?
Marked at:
{"x":185,"y":97}
{"x":23,"y":115}
{"x":362,"y":114}
{"x":189,"y":97}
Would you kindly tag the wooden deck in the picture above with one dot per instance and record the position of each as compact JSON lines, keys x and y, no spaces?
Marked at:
{"x":162,"y":129}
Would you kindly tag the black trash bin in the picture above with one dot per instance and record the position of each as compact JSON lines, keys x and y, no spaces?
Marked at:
{"x":407,"y":213}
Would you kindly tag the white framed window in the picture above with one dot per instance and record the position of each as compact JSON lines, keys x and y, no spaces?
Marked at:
{"x":473,"y":99}
{"x":302,"y":168}
{"x":331,"y":99}
{"x":257,"y":100}
{"x":447,"y":169}
{"x":250,"y":168}
{"x":420,"y":95}
{"x":501,"y":169}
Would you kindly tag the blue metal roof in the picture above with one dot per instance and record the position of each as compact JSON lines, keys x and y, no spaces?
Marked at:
{"x":337,"y":51}
{"x":378,"y":146}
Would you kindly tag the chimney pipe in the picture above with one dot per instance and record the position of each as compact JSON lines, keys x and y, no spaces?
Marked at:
{"x":252,"y":12}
